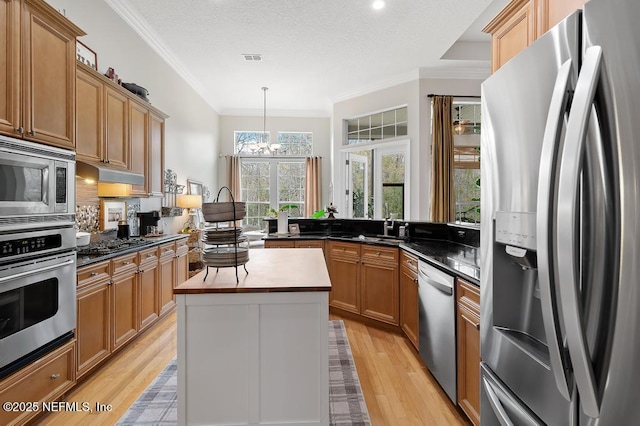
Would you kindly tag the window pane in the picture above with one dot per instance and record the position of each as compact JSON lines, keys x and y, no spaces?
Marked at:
{"x":246,"y":142}
{"x":401,"y":115}
{"x":255,"y":187}
{"x":291,"y":179}
{"x":295,"y":143}
{"x":381,"y":125}
{"x":352,"y":125}
{"x":389,"y":117}
{"x":393,"y":196}
{"x":466,"y":184}
{"x":393,"y":168}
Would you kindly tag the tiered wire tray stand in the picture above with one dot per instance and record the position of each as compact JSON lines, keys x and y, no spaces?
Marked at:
{"x":223,"y":245}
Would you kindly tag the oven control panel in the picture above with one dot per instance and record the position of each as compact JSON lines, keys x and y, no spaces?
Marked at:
{"x":19,"y":246}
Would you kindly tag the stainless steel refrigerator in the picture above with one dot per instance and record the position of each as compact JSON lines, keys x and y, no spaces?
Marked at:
{"x":560,"y":239}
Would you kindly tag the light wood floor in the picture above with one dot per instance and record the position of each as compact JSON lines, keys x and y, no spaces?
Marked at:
{"x":398,"y":389}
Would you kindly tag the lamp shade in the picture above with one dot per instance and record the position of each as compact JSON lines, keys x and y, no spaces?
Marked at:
{"x":189,"y":201}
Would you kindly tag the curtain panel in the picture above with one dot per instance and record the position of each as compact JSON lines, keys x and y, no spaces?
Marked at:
{"x":442,"y":207}
{"x":313,"y":186}
{"x":233,"y":177}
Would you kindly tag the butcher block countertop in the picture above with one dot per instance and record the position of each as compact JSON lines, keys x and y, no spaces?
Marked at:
{"x":282,"y":270}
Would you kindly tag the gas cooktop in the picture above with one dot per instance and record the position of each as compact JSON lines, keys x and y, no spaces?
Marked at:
{"x":104,"y":247}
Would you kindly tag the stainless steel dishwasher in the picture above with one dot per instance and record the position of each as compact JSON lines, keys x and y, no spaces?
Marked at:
{"x":437,"y":342}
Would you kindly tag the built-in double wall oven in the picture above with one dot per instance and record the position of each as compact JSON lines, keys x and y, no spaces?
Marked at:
{"x":37,"y":251}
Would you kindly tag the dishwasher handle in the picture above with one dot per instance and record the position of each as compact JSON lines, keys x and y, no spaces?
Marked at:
{"x":444,"y":288}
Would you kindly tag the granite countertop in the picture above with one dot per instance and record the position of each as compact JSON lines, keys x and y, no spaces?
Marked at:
{"x":456,"y":259}
{"x":459,"y":259}
{"x":153,"y":241}
{"x":282,"y":270}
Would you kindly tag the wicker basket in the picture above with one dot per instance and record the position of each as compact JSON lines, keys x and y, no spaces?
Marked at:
{"x":194,"y":255}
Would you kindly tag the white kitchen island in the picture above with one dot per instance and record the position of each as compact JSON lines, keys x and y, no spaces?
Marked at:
{"x":256,"y":352}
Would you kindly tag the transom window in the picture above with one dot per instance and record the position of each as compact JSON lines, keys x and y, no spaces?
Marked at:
{"x":374,"y":127}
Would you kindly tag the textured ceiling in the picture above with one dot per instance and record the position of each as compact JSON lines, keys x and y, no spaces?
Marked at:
{"x":315,"y":52}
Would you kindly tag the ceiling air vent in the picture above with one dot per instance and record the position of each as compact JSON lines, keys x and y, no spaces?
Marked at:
{"x":252,"y":57}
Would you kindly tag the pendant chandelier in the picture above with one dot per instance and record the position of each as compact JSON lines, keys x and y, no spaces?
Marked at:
{"x":263,"y":146}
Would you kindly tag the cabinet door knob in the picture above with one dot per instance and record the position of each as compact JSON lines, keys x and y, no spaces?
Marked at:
{"x":32,"y":132}
{"x":55,"y":376}
{"x":126,"y":263}
{"x":20,"y":129}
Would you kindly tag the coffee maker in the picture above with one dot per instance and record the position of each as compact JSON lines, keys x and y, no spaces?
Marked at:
{"x":148,"y":219}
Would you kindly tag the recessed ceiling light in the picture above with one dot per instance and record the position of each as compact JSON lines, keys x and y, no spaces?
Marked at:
{"x":378,"y":4}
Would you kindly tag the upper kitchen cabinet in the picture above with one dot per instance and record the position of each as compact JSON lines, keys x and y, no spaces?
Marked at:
{"x":521,"y":22}
{"x":511,"y":31}
{"x":556,"y":10}
{"x":147,"y":142}
{"x":114,"y":126}
{"x":37,"y":73}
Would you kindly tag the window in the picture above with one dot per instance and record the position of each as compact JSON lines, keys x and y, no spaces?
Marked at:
{"x":382,"y":125}
{"x":272,"y":181}
{"x":377,"y":181}
{"x":466,"y":161}
{"x":245,"y":142}
{"x":377,"y":175}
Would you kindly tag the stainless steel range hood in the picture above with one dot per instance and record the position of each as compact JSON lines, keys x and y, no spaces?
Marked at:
{"x":104,"y":173}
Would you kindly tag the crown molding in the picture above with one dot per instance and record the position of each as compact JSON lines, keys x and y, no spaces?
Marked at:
{"x":153,"y":39}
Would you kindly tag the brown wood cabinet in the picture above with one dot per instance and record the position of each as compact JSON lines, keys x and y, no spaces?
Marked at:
{"x":521,"y":22}
{"x":90,"y":144}
{"x":155,"y":175}
{"x":93,"y":330}
{"x":296,"y":243}
{"x":364,"y":280}
{"x":37,"y":82}
{"x":468,"y":326}
{"x":117,"y":144}
{"x":124,"y":299}
{"x":148,"y":287}
{"x":409,"y":302}
{"x":115,"y":127}
{"x":44,"y":380}
{"x":344,"y":270}
{"x":118,"y":298}
{"x":174,"y":270}
{"x":379,"y":287}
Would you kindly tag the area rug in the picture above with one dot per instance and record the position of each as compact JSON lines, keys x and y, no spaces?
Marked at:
{"x":158,"y":403}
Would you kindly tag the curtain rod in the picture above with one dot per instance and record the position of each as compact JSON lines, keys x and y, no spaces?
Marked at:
{"x":431,"y":95}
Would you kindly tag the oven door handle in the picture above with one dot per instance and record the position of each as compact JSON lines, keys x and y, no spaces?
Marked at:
{"x":36,"y":271}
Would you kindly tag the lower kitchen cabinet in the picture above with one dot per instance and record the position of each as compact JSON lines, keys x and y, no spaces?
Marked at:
{"x":93,"y":331}
{"x":124,"y":299}
{"x":364,"y":280}
{"x":344,"y":270}
{"x":118,"y":298}
{"x":468,"y":322}
{"x":174,"y":270}
{"x":379,"y":288}
{"x":409,"y":302}
{"x":149,"y":285}
{"x":44,"y":380}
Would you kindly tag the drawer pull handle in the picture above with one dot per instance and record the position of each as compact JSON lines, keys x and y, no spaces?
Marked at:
{"x":55,"y":376}
{"x":93,"y":274}
{"x":377,"y":253}
{"x":149,"y":255}
{"x":126,"y":263}
{"x":473,"y":323}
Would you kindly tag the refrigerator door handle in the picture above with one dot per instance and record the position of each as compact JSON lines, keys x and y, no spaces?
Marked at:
{"x":568,"y":197}
{"x":546,"y":226}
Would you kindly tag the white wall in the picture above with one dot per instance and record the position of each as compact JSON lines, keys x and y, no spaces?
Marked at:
{"x":191,"y":138}
{"x":320,"y":127}
{"x":414,"y":95}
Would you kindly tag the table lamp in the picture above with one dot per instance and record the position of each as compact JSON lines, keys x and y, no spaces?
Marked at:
{"x":192,"y":202}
